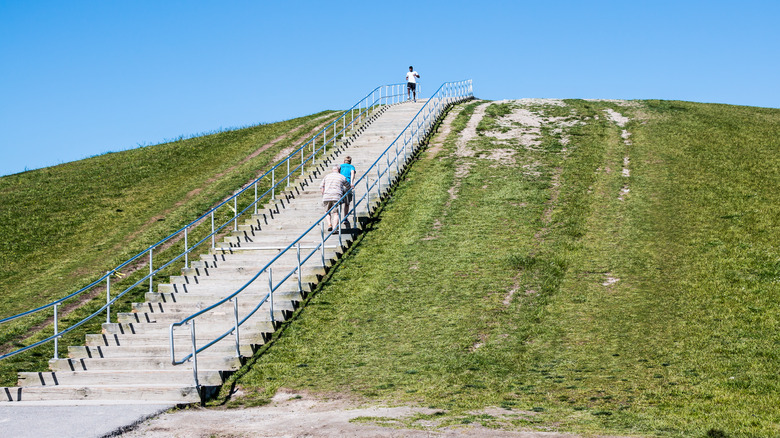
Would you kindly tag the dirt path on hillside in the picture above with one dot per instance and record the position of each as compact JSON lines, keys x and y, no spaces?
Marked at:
{"x":437,"y":143}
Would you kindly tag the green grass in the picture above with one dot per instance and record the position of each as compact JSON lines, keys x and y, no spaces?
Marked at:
{"x":64,"y":226}
{"x":685,"y":342}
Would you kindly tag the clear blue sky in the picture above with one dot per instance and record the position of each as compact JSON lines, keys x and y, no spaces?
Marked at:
{"x":81,"y":78}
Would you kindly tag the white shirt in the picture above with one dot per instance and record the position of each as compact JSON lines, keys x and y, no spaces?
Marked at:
{"x":411,"y":77}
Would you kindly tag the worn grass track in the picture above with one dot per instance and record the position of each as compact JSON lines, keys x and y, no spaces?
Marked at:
{"x":581,"y":277}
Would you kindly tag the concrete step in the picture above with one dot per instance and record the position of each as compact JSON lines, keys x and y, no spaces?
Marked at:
{"x":298,"y":225}
{"x":241,"y":271}
{"x":313,"y":210}
{"x":311,"y":242}
{"x":121,"y":377}
{"x":212,"y":292}
{"x":143,"y":363}
{"x":186,"y":308}
{"x":248,"y":335}
{"x":236,"y":275}
{"x":223,"y":348}
{"x":289,"y":236}
{"x":140,"y":391}
{"x":256,"y":260}
{"x":206,"y":298}
{"x":291,"y":226}
{"x":257,"y":324}
{"x":210,"y":317}
{"x":256,"y":287}
{"x":230,"y":283}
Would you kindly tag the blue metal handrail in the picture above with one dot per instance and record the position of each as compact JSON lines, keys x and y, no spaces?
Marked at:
{"x":351,"y":118}
{"x":405,"y":146}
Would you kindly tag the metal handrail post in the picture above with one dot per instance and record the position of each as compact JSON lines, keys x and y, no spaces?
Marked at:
{"x":368,"y":197}
{"x":338,"y":207}
{"x":322,"y":241}
{"x":186,"y":250}
{"x":387,"y":160}
{"x":255,"y":199}
{"x":271,"y":291}
{"x":235,"y":332}
{"x":56,"y":330}
{"x":378,"y":183}
{"x":213,"y":234}
{"x":387,"y":169}
{"x":194,"y":354}
{"x":108,"y":297}
{"x":170,"y":339}
{"x":273,"y":184}
{"x":397,"y":162}
{"x":300,"y":274}
{"x":354,"y":207}
{"x":288,"y":173}
{"x":151,"y":270}
{"x":235,"y":213}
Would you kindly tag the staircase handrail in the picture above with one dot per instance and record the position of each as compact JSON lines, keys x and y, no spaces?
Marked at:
{"x":414,"y":133}
{"x":351,"y":118}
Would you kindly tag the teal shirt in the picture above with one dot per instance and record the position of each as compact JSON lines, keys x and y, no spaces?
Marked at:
{"x":346,"y":170}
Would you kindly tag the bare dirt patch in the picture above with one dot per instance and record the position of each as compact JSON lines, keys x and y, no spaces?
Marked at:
{"x":470,"y":132}
{"x":445,"y":128}
{"x":623,"y":192}
{"x":508,"y":298}
{"x":524,"y":126}
{"x":463,"y":150}
{"x":298,"y":414}
{"x":503,"y":157}
{"x":609,"y":280}
{"x":616,"y":117}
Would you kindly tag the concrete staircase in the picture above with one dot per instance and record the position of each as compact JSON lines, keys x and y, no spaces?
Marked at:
{"x":130,"y":360}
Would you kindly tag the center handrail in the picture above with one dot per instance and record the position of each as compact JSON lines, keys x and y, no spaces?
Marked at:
{"x":350,"y":119}
{"x":413,"y":134}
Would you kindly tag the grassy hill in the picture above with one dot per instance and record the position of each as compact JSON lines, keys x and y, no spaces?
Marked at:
{"x":585,"y":266}
{"x":62,"y":227}
{"x":579,"y":276}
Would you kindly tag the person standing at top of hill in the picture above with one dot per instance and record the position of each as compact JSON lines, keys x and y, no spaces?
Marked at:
{"x":411,"y":84}
{"x":348,"y":170}
{"x":333,"y":187}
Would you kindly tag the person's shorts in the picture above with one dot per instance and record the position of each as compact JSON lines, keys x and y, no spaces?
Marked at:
{"x":411,"y":86}
{"x":329,"y":204}
{"x":349,"y":197}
